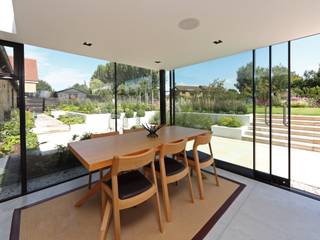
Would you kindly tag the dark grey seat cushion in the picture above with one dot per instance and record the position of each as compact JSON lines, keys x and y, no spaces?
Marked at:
{"x":172,"y":166}
{"x":203,"y":157}
{"x":131,"y":184}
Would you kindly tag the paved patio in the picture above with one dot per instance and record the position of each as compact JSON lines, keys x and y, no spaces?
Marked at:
{"x":305,"y":165}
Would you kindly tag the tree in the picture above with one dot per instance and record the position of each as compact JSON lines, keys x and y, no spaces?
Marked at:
{"x":96,"y":85}
{"x":82,"y":87}
{"x":43,"y":86}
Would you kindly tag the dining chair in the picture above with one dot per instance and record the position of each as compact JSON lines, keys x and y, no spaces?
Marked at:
{"x":199,"y":160}
{"x":170,"y":170}
{"x":128,"y":187}
{"x":132,"y":130}
{"x":99,"y":135}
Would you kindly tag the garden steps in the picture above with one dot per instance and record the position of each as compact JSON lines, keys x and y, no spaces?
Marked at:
{"x":284,"y":143}
{"x":305,"y":132}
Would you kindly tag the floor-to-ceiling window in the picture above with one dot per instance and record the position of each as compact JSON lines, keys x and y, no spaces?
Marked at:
{"x":137,"y":97}
{"x":10,"y":155}
{"x":67,"y":98}
{"x":305,"y":114}
{"x":217,"y":95}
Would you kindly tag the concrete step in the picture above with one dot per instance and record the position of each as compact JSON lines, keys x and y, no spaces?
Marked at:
{"x":293,"y":126}
{"x":284,"y":143}
{"x":284,"y":136}
{"x":293,"y":122}
{"x":293,"y":117}
{"x":285,"y":131}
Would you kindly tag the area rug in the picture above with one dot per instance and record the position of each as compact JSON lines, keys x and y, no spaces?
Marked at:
{"x":57,"y":218}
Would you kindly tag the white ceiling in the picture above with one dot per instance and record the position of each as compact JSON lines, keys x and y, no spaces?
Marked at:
{"x":141,"y":31}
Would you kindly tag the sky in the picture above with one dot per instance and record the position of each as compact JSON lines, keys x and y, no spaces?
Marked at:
{"x":305,"y":55}
{"x":61,"y":70}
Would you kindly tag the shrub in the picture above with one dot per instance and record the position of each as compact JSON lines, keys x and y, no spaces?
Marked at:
{"x":10,"y":133}
{"x":202,"y":121}
{"x":71,"y":119}
{"x":229,"y":122}
{"x":141,"y":113}
{"x":129,"y":113}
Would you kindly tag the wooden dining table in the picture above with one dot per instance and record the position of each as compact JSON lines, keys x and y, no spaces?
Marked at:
{"x":97,"y":154}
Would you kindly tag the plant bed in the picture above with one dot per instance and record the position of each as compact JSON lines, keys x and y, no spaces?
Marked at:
{"x":71,"y":119}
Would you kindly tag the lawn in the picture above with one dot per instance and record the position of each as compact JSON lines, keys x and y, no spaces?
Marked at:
{"x":294,"y":110}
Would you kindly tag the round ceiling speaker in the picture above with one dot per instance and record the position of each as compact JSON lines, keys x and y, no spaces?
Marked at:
{"x":189,"y":23}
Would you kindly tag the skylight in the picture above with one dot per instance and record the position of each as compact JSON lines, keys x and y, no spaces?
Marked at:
{"x":7,"y":23}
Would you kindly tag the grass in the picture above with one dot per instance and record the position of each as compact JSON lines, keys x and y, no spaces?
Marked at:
{"x":294,"y":111}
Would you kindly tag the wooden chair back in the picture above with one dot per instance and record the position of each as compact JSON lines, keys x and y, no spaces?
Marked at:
{"x":108,"y":134}
{"x":132,"y":161}
{"x":203,"y":139}
{"x":132,"y":130}
{"x":173,"y":147}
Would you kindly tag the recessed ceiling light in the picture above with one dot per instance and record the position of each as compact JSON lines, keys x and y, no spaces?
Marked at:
{"x":88,"y":44}
{"x":217,"y":41}
{"x":157,"y":61}
{"x":189,"y":23}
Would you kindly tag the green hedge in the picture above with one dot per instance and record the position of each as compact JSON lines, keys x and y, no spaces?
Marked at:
{"x":229,"y":122}
{"x":201,"y":121}
{"x":71,"y":119}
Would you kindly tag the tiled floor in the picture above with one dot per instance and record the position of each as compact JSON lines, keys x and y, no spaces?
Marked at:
{"x":260,"y":212}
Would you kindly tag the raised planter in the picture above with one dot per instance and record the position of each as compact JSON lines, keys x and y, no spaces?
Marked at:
{"x":128,"y":123}
{"x":245,"y":119}
{"x":228,"y":132}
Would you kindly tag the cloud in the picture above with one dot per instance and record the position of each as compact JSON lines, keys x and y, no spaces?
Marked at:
{"x":65,"y":77}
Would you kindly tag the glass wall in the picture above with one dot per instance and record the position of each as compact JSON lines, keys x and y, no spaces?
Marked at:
{"x":262,"y":110}
{"x":10,"y":156}
{"x":305,"y":114}
{"x":217,"y":95}
{"x":66,"y":99}
{"x":137,"y":97}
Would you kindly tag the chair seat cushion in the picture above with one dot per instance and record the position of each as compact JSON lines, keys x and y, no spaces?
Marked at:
{"x":172,"y":166}
{"x":131,"y":184}
{"x":203,"y":157}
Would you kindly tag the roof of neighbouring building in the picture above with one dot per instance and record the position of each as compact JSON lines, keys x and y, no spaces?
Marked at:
{"x":71,"y":88}
{"x":31,"y":69}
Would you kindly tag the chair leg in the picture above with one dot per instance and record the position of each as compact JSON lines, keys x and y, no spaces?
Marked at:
{"x":190,"y":188}
{"x":158,"y":211}
{"x":116,"y":222}
{"x":105,"y":221}
{"x":166,"y":200}
{"x":215,"y":174}
{"x":199,"y":180}
{"x":90,"y":179}
{"x":103,"y":200}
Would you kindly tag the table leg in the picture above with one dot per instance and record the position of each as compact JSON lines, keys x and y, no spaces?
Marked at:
{"x":89,"y":194}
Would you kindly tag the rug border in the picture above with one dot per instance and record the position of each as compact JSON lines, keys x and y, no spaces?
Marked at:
{"x":16,"y":218}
